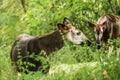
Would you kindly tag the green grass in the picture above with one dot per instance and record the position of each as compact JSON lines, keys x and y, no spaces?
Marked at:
{"x":64,"y":65}
{"x":72,"y":62}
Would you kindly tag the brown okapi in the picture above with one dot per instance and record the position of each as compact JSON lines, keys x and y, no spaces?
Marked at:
{"x":27,"y":45}
{"x":106,"y":27}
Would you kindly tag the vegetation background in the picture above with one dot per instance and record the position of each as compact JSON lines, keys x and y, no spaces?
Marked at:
{"x":72,"y":62}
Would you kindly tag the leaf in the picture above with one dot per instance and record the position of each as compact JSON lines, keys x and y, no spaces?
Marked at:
{"x":118,"y":23}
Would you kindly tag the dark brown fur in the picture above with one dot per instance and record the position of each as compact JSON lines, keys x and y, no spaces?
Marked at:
{"x":25,"y":44}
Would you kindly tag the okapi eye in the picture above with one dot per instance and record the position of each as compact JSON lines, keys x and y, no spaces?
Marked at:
{"x":65,"y":28}
{"x":103,"y":28}
{"x":78,"y":33}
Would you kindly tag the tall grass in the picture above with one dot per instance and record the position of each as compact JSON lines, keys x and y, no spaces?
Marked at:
{"x":72,"y":62}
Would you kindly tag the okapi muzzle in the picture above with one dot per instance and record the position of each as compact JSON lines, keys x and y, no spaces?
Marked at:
{"x":98,"y":42}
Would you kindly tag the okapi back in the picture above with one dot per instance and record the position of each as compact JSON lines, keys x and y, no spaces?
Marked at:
{"x":51,"y":42}
{"x":25,"y":44}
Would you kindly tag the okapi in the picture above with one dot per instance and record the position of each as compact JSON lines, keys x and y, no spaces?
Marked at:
{"x":27,"y":45}
{"x":106,"y":27}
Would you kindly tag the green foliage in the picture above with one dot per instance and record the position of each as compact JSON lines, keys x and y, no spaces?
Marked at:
{"x":41,"y":18}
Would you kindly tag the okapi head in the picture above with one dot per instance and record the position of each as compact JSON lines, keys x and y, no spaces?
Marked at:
{"x":106,"y":28}
{"x":73,"y":34}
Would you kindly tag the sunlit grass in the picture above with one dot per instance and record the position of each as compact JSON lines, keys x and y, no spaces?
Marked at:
{"x":72,"y":62}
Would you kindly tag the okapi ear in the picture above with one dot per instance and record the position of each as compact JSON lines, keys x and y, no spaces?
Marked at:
{"x":91,"y":24}
{"x":66,"y":21}
{"x":62,"y":27}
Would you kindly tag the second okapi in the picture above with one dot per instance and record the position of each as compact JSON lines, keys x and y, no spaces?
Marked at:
{"x":106,"y":27}
{"x":26,"y":46}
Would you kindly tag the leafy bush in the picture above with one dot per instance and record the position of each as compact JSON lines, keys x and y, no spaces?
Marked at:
{"x":41,"y":18}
